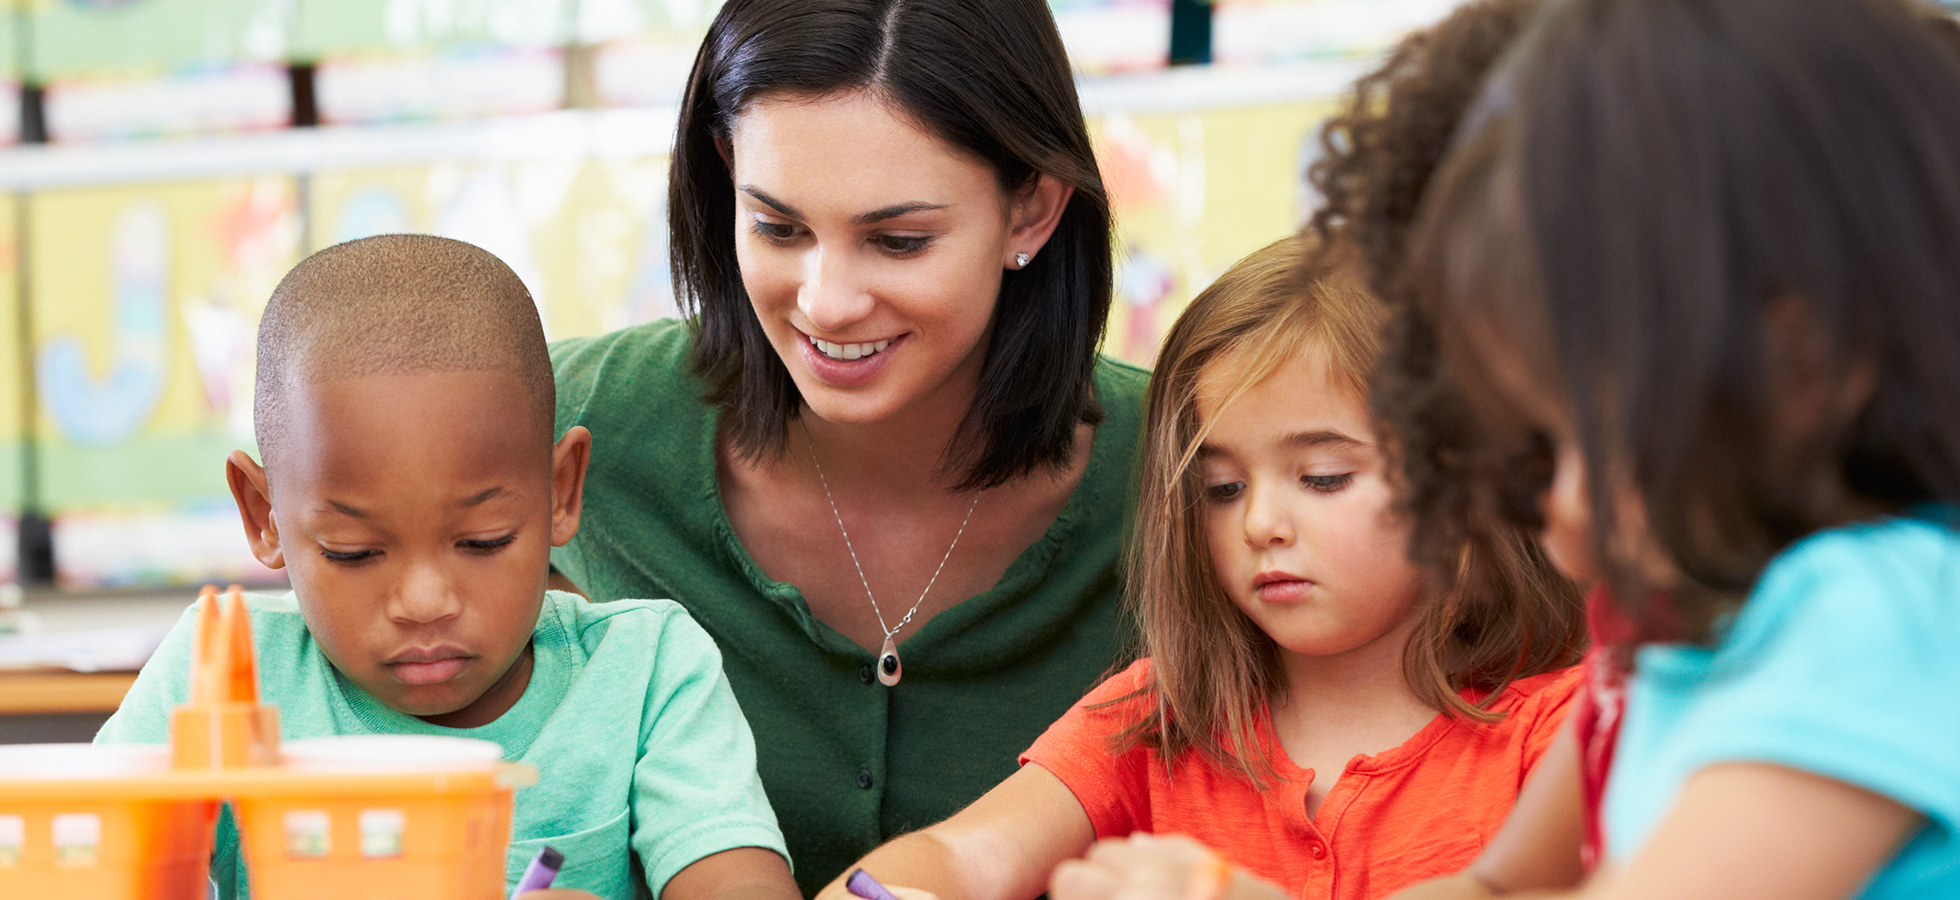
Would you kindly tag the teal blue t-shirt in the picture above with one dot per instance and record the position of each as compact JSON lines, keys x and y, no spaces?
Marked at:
{"x":1845,"y":662}
{"x":645,"y":763}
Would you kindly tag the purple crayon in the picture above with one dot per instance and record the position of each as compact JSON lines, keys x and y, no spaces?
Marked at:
{"x":538,"y":875}
{"x":863,"y":885}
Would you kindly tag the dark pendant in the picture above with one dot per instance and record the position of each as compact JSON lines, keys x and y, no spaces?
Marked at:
{"x":889,"y":668}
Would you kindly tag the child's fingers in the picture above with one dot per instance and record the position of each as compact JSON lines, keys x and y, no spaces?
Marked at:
{"x":1080,"y":880}
{"x":911,"y":893}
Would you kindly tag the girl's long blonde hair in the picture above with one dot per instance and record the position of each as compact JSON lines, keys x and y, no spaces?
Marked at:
{"x":1505,"y":615}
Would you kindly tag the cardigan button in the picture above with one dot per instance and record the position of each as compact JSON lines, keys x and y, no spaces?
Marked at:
{"x":1319,"y":850}
{"x":864,"y":779}
{"x":865,"y":674}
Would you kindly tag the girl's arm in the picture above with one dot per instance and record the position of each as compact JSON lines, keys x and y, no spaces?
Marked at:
{"x":1757,"y":831}
{"x":1002,"y":847}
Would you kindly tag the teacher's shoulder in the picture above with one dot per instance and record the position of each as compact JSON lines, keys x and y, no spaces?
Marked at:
{"x":634,"y":371}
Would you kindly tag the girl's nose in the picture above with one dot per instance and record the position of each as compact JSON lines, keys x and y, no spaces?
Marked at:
{"x":833,"y":294}
{"x":1268,"y":522}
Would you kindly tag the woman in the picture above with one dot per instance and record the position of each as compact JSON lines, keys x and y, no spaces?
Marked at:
{"x":882,"y":464}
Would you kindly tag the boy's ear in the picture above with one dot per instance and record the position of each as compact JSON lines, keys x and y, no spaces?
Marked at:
{"x":568,"y":461}
{"x":248,"y":487}
{"x":1036,"y":210}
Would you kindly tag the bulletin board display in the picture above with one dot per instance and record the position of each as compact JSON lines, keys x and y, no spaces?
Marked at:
{"x":74,"y":38}
{"x":144,"y":306}
{"x":587,"y":236}
{"x":1193,"y":192}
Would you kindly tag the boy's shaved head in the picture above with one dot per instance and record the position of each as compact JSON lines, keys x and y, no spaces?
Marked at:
{"x":398,"y":304}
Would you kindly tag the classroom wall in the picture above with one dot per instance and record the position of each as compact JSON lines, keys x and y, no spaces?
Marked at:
{"x":143,"y":291}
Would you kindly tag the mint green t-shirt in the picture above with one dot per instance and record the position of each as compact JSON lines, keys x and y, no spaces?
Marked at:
{"x":644,"y":761}
{"x":847,"y":761}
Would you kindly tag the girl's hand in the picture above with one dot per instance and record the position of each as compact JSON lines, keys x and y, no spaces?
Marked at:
{"x":1149,"y":867}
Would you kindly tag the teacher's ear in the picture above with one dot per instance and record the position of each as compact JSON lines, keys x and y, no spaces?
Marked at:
{"x":1036,"y":210}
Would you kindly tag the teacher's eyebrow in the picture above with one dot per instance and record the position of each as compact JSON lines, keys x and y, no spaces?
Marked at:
{"x":772,"y":202}
{"x":894,"y":211}
{"x":870,"y":218}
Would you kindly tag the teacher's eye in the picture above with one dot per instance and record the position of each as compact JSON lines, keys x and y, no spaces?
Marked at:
{"x":485,"y":548}
{"x":1224,"y":493}
{"x":1326,"y":484}
{"x":775,"y":232}
{"x":349,"y":557}
{"x":902,"y":245}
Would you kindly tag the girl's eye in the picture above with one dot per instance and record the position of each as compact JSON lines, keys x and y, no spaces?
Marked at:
{"x":488,"y":547}
{"x":348,"y":557}
{"x":1224,"y":493}
{"x":1326,"y":484}
{"x":901,"y":245}
{"x":773,"y":231}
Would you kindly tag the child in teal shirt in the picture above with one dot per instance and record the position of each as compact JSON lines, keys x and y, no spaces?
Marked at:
{"x":413,"y":491}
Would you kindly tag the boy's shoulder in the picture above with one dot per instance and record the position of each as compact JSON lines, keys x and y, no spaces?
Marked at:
{"x":645,"y":629}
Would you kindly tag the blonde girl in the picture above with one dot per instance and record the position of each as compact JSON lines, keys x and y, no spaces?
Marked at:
{"x":1309,"y":705}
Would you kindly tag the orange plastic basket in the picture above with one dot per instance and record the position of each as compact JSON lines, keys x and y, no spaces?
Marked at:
{"x":354,"y":818}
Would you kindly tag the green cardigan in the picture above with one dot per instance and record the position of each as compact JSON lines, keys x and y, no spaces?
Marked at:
{"x":847,"y":762}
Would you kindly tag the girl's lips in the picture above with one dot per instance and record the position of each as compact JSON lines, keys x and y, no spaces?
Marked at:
{"x":1283,"y":591}
{"x":845,"y":372}
{"x":429,"y":672}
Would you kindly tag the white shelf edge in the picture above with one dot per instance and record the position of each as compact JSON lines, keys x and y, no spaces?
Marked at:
{"x":611,"y":133}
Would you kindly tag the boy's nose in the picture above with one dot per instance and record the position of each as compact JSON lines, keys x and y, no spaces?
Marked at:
{"x":833,"y":295}
{"x":424,"y":595}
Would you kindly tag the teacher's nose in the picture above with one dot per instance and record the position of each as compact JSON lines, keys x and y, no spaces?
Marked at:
{"x":834,"y":294}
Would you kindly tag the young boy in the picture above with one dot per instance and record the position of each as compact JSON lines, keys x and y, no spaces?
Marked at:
{"x":412,"y":489}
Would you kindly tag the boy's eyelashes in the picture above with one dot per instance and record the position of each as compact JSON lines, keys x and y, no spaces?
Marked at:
{"x":476,"y":547}
{"x":488,"y":547}
{"x":348,"y":557}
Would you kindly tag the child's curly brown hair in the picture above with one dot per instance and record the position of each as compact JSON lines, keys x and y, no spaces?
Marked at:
{"x":1466,"y":478}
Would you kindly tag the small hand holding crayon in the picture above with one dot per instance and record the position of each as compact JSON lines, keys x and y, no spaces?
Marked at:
{"x":536,"y":883}
{"x":861,"y":884}
{"x":1150,"y":867}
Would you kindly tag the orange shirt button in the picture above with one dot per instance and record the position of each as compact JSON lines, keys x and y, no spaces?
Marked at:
{"x":1319,"y":850}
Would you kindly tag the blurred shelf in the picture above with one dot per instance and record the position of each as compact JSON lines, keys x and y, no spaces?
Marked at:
{"x":609,"y":133}
{"x":40,"y":693}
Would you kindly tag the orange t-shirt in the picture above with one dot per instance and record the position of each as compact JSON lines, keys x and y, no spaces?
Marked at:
{"x":1419,"y":811}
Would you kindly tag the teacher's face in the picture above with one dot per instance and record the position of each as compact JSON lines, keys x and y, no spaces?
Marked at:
{"x":872,"y":252}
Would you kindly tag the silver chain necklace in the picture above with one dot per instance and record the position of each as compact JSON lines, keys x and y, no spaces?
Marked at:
{"x":889,"y":668}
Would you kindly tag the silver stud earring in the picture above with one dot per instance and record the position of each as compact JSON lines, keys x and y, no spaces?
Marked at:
{"x":1021,"y":260}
